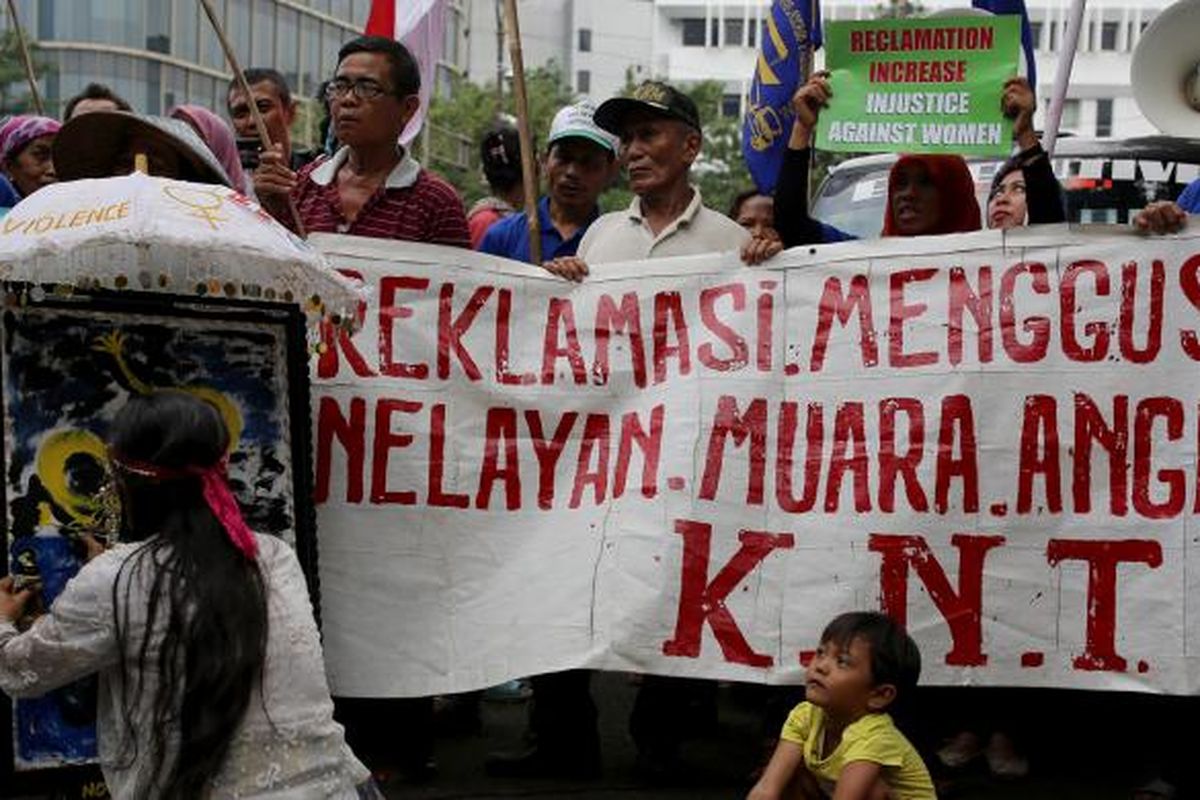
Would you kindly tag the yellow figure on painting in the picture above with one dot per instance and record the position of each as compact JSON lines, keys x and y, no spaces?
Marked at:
{"x":63,"y":458}
{"x":114,"y":345}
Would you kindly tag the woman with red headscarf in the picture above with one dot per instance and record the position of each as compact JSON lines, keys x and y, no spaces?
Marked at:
{"x":927,"y":194}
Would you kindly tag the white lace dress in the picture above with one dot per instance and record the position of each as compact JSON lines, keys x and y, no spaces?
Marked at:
{"x":287,"y":746}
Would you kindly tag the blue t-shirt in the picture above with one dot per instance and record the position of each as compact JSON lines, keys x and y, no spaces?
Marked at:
{"x":8,"y":195}
{"x":1189,"y":201}
{"x":509,"y":237}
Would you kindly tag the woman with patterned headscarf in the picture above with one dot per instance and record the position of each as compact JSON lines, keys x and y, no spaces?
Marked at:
{"x":25,"y":152}
{"x":216,"y":133}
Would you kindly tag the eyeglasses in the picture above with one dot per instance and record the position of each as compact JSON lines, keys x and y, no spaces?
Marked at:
{"x":364,"y":90}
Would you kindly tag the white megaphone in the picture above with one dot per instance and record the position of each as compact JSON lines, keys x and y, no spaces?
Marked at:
{"x":1166,"y":70}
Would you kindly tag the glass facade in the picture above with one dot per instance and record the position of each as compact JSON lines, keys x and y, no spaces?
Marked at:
{"x":160,"y":53}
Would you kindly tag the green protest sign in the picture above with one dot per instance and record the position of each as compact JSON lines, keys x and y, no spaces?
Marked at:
{"x":919,"y":85}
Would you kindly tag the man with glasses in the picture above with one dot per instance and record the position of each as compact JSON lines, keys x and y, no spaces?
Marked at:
{"x":371,"y":186}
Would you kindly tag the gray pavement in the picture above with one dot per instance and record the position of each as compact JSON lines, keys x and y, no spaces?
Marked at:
{"x":719,"y":761}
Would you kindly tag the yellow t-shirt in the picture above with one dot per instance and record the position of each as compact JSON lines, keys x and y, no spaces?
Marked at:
{"x":873,"y":738}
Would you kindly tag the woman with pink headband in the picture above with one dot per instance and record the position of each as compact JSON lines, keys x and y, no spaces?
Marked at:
{"x":212,"y":682}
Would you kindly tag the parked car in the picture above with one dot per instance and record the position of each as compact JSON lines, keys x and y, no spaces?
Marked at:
{"x":1106,"y":180}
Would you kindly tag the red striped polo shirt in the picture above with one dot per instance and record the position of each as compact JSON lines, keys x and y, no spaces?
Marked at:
{"x":413,"y":204}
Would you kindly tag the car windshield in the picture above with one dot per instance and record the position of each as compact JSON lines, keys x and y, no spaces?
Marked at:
{"x":1101,"y":189}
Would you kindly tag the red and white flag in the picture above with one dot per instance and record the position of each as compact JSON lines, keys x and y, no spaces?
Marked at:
{"x":421,"y":26}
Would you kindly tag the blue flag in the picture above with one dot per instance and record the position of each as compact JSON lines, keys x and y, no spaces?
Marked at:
{"x":1015,"y":7}
{"x":790,"y":29}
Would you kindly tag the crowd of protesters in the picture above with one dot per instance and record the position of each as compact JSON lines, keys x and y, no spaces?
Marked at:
{"x":364,"y":183}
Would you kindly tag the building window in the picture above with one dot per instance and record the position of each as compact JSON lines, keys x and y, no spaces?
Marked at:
{"x":1053,"y":37}
{"x":211,"y":54}
{"x":585,"y":40}
{"x":287,"y":45}
{"x":1035,"y":34}
{"x":734,"y":29}
{"x":715,"y":32}
{"x":238,"y":19}
{"x":1108,"y":35}
{"x":693,"y":33}
{"x":263,"y":35}
{"x":186,"y":33}
{"x":583,"y":81}
{"x":731,"y":105}
{"x":331,"y":42}
{"x":310,"y":58}
{"x":750,"y":42}
{"x":1104,"y":117}
{"x":1070,"y":115}
{"x":45,"y":26}
{"x":158,"y":27}
{"x":154,"y":87}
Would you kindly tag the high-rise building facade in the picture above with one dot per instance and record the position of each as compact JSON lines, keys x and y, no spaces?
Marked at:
{"x":597,"y":44}
{"x":160,"y":53}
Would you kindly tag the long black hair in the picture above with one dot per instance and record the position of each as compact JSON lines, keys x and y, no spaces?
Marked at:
{"x":205,"y":595}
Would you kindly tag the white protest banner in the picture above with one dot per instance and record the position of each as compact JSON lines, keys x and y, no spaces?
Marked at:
{"x":689,"y":467}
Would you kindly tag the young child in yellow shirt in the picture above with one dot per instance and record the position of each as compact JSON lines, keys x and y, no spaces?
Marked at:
{"x":840,"y":743}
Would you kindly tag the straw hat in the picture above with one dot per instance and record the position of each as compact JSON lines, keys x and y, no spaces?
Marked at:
{"x":89,"y":145}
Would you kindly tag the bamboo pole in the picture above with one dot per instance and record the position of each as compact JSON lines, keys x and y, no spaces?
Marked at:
{"x":807,"y":65}
{"x":522,"y":103}
{"x":26,"y":61}
{"x":499,"y":57}
{"x":264,"y":135}
{"x":1063,"y":76}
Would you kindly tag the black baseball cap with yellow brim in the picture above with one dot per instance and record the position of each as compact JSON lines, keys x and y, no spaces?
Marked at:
{"x":654,"y":97}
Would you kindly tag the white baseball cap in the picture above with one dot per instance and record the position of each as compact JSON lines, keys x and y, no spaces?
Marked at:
{"x":577,"y":120}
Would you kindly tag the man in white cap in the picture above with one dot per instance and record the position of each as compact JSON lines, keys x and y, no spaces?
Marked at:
{"x":580,"y":163}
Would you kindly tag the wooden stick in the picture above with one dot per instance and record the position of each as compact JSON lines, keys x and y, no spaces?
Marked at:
{"x":1062,"y":78}
{"x":499,"y":57}
{"x":809,"y":62}
{"x":26,"y":61}
{"x":263,"y":135}
{"x":522,"y":103}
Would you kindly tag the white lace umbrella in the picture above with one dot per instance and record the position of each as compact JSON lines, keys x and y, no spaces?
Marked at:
{"x":144,"y":234}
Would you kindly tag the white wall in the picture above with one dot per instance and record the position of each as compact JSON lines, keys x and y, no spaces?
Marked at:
{"x":621,"y":34}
